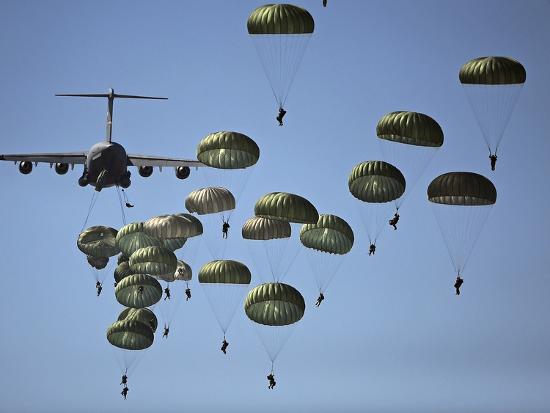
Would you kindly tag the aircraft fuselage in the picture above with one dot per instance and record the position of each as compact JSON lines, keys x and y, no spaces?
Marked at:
{"x":106,"y":166}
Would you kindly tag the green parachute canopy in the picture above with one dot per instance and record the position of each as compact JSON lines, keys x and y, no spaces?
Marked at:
{"x":143,"y":315}
{"x":280,"y":19}
{"x":165,"y":227}
{"x":97,"y":262}
{"x":153,"y":261}
{"x":258,"y":228}
{"x":130,"y":335}
{"x":174,"y":244}
{"x":228,"y":150}
{"x":224,"y":272}
{"x":286,"y":207}
{"x":127,"y":291}
{"x":98,"y":241}
{"x":462,"y":188}
{"x":411,"y":128}
{"x":492,"y":70}
{"x":122,"y":258}
{"x":210,"y":200}
{"x":194,"y":226}
{"x":330,"y":234}
{"x":376,"y":181}
{"x":183,"y":273}
{"x":274,"y":304}
{"x":122,"y":271}
{"x":131,"y":237}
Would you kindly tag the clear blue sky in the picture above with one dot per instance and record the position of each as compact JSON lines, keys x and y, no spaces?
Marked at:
{"x":390,"y":336}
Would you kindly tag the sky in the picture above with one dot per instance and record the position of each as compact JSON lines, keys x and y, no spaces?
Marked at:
{"x":391,"y":336}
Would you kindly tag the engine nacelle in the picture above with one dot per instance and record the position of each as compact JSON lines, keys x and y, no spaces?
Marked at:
{"x":61,"y":168}
{"x":145,"y":171}
{"x":25,"y":167}
{"x":182,"y":172}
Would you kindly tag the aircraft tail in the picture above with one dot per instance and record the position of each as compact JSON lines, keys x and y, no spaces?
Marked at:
{"x":111,"y":96}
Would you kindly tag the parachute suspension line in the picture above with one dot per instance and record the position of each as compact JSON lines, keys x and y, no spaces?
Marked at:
{"x":492,"y":106}
{"x":278,"y":273}
{"x":272,"y":367}
{"x":297,"y":56}
{"x":265,"y":67}
{"x":281,"y":81}
{"x":90,"y":208}
{"x":240,"y":188}
{"x":121,"y":205}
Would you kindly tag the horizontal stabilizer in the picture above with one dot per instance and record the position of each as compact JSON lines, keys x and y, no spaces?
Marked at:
{"x":107,"y":95}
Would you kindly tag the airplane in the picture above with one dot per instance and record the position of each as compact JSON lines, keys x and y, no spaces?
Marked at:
{"x":106,"y":163}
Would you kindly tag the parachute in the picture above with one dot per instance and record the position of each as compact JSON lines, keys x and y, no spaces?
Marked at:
{"x":138,"y":291}
{"x":493,"y":85}
{"x":286,"y":207}
{"x":143,"y":315}
{"x":281,"y":34}
{"x":165,"y":227}
{"x":174,"y":244}
{"x":153,"y":261}
{"x":183,"y":272}
{"x":377,"y":183}
{"x":122,"y":258}
{"x":461,"y":202}
{"x":98,"y":241}
{"x":97,"y":262}
{"x":410,"y":140}
{"x":224,"y":283}
{"x":228,"y":150}
{"x":327,"y":242}
{"x":274,"y":308}
{"x":132,"y":333}
{"x":270,"y":246}
{"x":215,"y":204}
{"x":122,"y":271}
{"x":131,"y":237}
{"x":210,"y":200}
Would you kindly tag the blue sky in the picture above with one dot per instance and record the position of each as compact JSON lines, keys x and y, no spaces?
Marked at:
{"x":390,"y":336}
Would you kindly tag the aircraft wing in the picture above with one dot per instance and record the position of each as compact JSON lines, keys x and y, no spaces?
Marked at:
{"x":146,"y":160}
{"x":71,"y":158}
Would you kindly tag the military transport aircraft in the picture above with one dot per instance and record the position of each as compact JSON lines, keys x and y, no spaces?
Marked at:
{"x":106,"y":163}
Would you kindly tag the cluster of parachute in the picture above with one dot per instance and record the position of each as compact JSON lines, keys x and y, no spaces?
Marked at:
{"x":146,"y":257}
{"x":408,"y":140}
{"x":461,"y":200}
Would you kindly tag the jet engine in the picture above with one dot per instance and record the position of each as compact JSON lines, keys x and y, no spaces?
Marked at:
{"x":25,"y":167}
{"x":145,"y":171}
{"x":182,"y":172}
{"x":61,"y":168}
